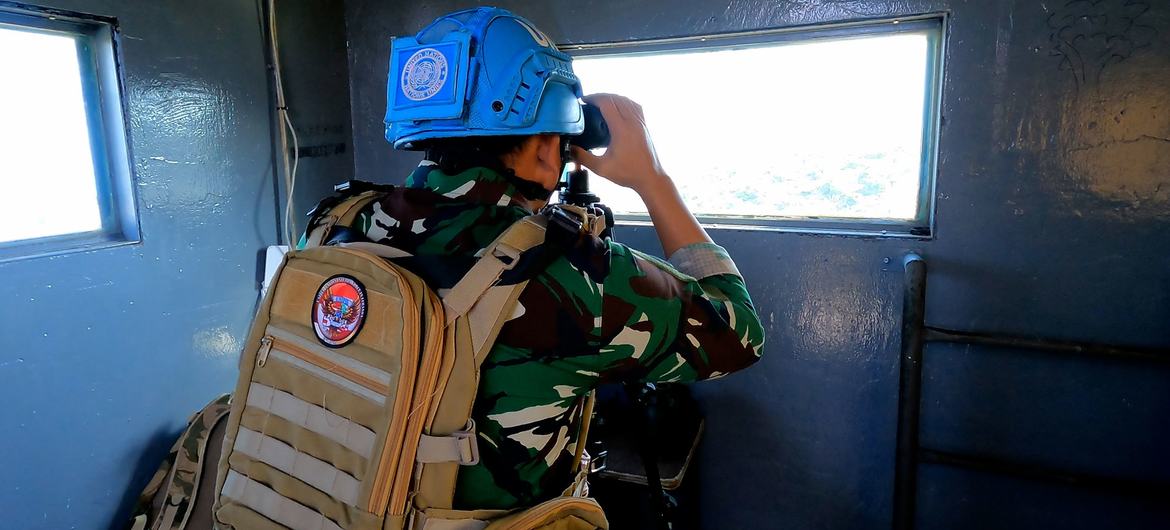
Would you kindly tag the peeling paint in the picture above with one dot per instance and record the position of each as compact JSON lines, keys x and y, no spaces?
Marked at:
{"x":1118,"y":143}
{"x":166,"y":161}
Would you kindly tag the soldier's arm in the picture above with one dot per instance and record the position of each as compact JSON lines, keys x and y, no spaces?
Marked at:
{"x":690,"y":321}
{"x":693,"y":320}
{"x":631,"y":161}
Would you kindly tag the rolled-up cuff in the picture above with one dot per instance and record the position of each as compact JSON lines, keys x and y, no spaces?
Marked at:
{"x":701,"y":260}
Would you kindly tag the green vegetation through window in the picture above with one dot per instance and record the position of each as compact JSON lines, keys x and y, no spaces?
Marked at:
{"x":818,"y":129}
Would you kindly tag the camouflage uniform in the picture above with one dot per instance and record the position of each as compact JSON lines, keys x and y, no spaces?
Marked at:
{"x":595,"y":312}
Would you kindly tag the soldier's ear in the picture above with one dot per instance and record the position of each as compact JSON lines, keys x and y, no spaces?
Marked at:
{"x":548,"y":152}
{"x":537,"y":160}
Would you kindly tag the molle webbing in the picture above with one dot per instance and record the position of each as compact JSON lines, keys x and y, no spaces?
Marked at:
{"x":323,"y":436}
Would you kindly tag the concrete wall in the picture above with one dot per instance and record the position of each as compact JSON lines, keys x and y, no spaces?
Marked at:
{"x":1053,"y":209}
{"x":104,"y":354}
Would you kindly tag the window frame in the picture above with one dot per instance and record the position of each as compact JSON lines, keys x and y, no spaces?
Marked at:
{"x":932,"y":25}
{"x":102,"y":89}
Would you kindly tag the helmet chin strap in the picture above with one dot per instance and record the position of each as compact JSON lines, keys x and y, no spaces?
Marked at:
{"x":530,"y":190}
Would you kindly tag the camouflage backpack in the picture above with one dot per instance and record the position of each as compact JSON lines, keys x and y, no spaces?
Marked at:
{"x":177,"y":496}
{"x":353,"y":405}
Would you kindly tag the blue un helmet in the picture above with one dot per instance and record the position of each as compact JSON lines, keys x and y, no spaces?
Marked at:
{"x":479,"y":72}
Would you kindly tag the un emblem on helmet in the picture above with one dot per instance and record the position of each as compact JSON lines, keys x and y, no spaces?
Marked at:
{"x":424,"y":74}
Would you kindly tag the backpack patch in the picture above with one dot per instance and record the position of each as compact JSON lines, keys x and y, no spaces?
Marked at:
{"x":339,"y":310}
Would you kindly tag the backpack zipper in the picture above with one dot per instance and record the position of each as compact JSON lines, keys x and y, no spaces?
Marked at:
{"x":265,"y":349}
{"x":430,"y":360}
{"x":270,"y":343}
{"x":380,"y":489}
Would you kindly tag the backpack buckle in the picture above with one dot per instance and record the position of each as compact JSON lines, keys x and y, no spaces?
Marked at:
{"x":460,"y":447}
{"x":467,"y":445}
{"x":506,"y":254}
{"x":563,"y":228}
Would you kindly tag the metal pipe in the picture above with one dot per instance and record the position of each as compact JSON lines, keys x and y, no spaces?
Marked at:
{"x":1047,"y":345}
{"x":909,"y":391}
{"x":1030,"y":471}
{"x":914,"y":334}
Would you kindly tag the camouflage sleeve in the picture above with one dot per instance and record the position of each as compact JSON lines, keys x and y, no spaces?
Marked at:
{"x":702,"y":260}
{"x":660,"y":324}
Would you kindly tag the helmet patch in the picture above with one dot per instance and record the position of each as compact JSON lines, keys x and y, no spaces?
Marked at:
{"x":339,"y":310}
{"x":424,"y":74}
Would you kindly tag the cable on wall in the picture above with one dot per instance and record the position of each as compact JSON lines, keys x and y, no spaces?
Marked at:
{"x":287,"y":132}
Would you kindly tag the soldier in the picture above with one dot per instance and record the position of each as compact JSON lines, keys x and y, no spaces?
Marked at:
{"x":493,"y":103}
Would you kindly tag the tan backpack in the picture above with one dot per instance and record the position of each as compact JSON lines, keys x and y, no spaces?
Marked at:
{"x":353,"y":405}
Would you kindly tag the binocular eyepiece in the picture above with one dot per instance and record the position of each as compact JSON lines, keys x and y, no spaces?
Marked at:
{"x":596,"y":133}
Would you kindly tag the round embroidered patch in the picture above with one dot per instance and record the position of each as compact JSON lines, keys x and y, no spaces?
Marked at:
{"x":424,"y":74}
{"x":339,"y":310}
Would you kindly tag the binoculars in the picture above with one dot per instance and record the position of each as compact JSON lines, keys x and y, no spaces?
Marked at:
{"x":574,"y":187}
{"x":596,"y":133}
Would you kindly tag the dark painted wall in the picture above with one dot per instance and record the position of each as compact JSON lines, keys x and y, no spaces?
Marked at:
{"x":316,"y":85}
{"x":104,"y":354}
{"x":1053,"y":215}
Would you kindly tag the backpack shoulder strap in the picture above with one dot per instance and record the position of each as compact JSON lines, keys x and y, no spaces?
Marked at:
{"x":341,"y":214}
{"x":476,"y":309}
{"x":502,"y":255}
{"x":488,"y":305}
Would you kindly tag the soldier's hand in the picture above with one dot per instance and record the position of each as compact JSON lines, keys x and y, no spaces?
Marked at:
{"x":630,"y":159}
